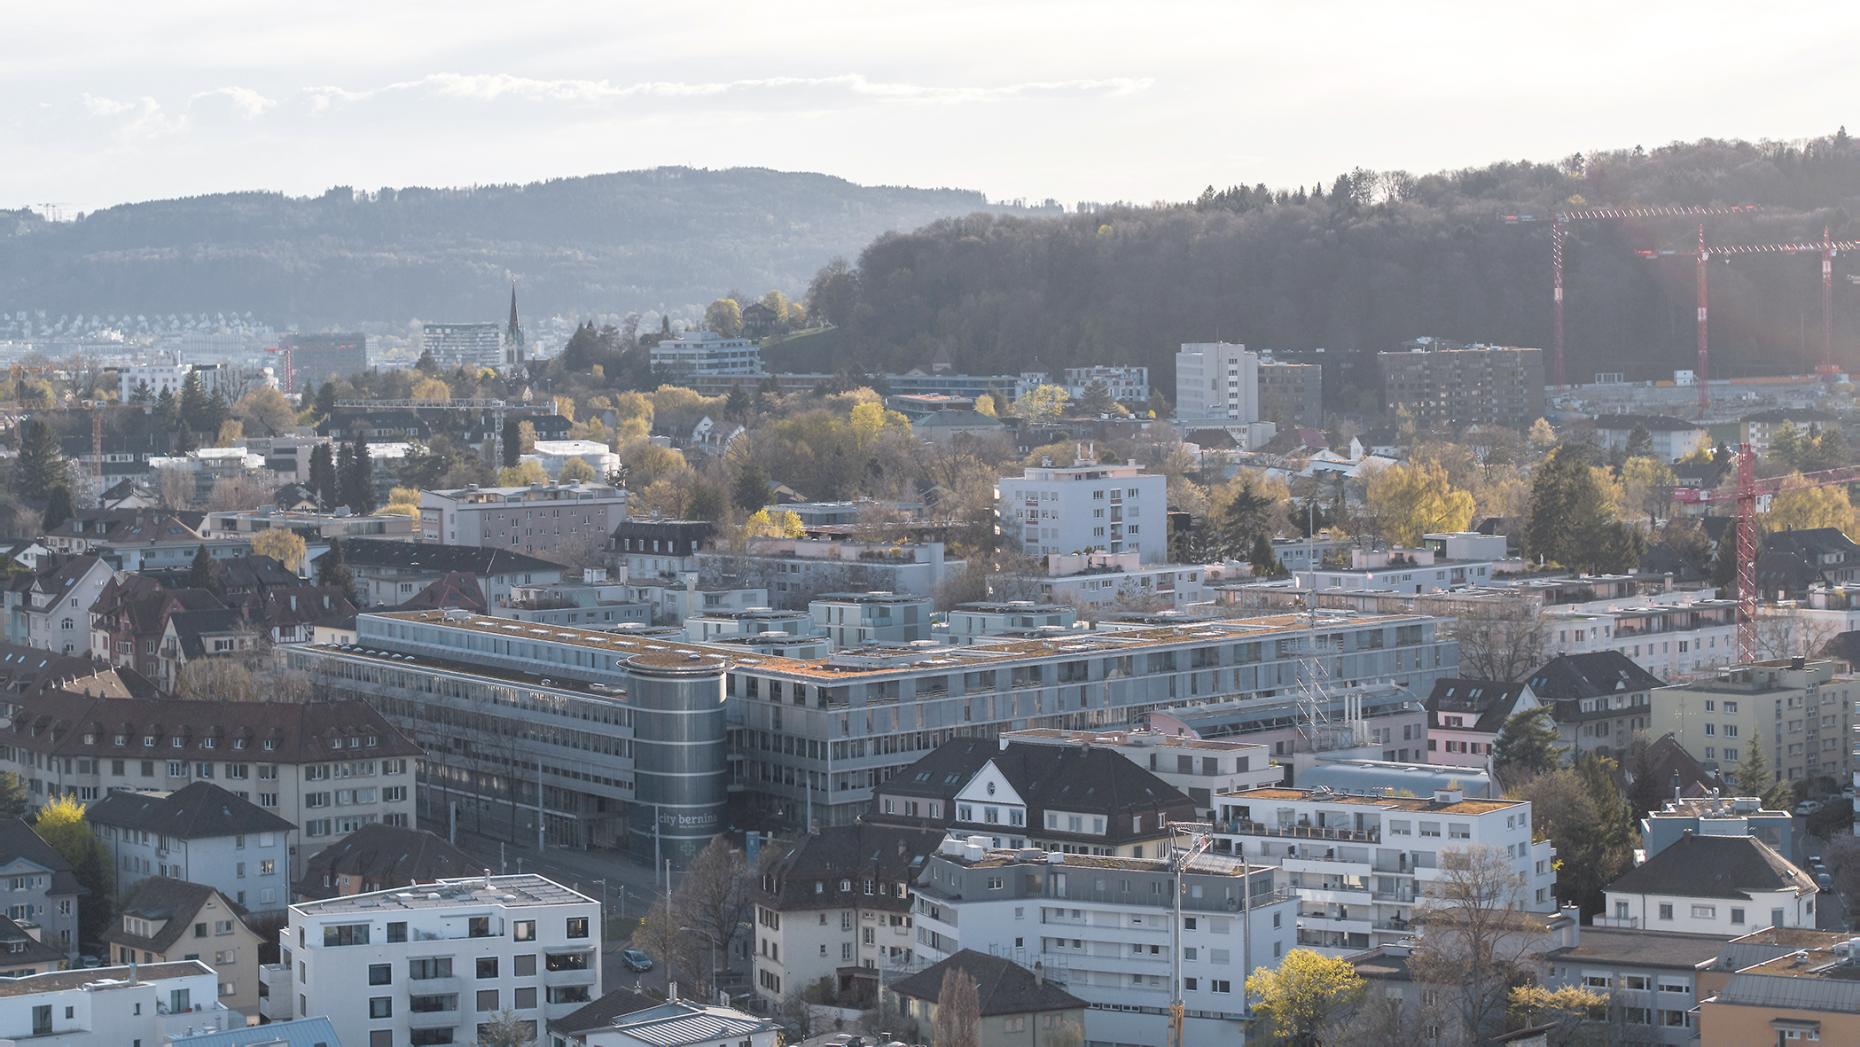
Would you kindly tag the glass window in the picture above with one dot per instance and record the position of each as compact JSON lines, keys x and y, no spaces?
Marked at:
{"x":380,"y":974}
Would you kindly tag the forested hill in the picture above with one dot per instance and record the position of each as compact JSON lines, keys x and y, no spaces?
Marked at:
{"x":671,"y":238}
{"x":1369,"y":260}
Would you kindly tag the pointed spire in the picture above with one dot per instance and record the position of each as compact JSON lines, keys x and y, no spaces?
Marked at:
{"x":513,"y":334}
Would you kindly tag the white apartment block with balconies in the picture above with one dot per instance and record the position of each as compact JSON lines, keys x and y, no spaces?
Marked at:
{"x":1086,"y":506}
{"x":436,"y":963}
{"x":1362,"y":865}
{"x":135,"y":1006}
{"x":1106,"y":929}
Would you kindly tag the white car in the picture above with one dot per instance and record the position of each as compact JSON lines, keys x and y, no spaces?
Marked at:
{"x":1807,"y":807}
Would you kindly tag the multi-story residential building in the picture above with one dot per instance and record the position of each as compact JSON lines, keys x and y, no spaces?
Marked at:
{"x":661,"y":548}
{"x":1716,"y":816}
{"x":1781,"y":986}
{"x":1106,"y":930}
{"x":141,"y":539}
{"x":130,"y":617}
{"x":672,"y":602}
{"x":200,"y":833}
{"x":1668,"y":439}
{"x":592,"y":602}
{"x":1102,"y":580}
{"x":318,"y":358}
{"x":1085,"y":507}
{"x":1127,"y":385}
{"x":382,"y":857}
{"x":1200,"y":769}
{"x":795,"y":570}
{"x":970,"y":622}
{"x":530,"y":520}
{"x":1216,"y":384}
{"x":1449,"y":561}
{"x":49,"y":608}
{"x":1387,"y":715}
{"x":438,"y":965}
{"x":1650,"y":977}
{"x":1791,"y":563}
{"x":706,"y":353}
{"x":45,"y":893}
{"x":168,"y":378}
{"x":1759,"y":427}
{"x":327,"y":767}
{"x":464,"y":345}
{"x":1670,"y":641}
{"x":714,"y":626}
{"x":23,"y":951}
{"x":143,"y":1006}
{"x":1362,"y":865}
{"x":1599,"y":700}
{"x":165,"y":919}
{"x":552,"y":455}
{"x":310,"y":526}
{"x":1446,"y":389}
{"x":1290,"y":394}
{"x":389,"y":572}
{"x":1721,"y":885}
{"x":1021,"y":1006}
{"x":1069,"y":799}
{"x":1465,"y":716}
{"x":835,"y":906}
{"x":1800,"y":711}
{"x":853,"y":620}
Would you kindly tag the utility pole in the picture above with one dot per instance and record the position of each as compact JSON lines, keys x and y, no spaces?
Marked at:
{"x":1198,"y":844}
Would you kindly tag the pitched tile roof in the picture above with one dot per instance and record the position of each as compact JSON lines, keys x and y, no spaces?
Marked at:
{"x":809,"y":873}
{"x":438,"y":558}
{"x":168,"y":899}
{"x":600,"y":1013}
{"x":1491,"y":701}
{"x":18,"y":947}
{"x":197,"y":811}
{"x":1713,"y":867}
{"x":1004,"y":986}
{"x":453,"y":589}
{"x":18,"y":841}
{"x":1571,"y":677}
{"x":385,"y":857}
{"x":64,"y":724}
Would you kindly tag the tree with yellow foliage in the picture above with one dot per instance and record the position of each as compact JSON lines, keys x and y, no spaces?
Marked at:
{"x":872,"y":418}
{"x":576,"y":469}
{"x":1647,"y":487}
{"x":1306,"y":996}
{"x":522,"y":474}
{"x":1798,"y":507}
{"x":1416,"y":498}
{"x":764,"y":524}
{"x":1043,"y":403}
{"x":281,"y":545}
{"x":985,"y":404}
{"x":1541,"y":436}
{"x":402,"y":501}
{"x":432,"y":391}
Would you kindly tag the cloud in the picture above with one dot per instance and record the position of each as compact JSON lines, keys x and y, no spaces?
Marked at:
{"x":97,"y":105}
{"x":243,"y":101}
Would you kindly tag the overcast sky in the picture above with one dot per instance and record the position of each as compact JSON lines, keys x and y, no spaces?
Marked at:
{"x":107,"y":102}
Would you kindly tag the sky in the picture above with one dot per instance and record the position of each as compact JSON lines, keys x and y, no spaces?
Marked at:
{"x":103,"y":103}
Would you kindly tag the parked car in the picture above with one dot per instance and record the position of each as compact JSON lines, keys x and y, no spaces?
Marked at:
{"x":1814,"y":861}
{"x":1807,"y":807}
{"x":1825,"y":880}
{"x":636,"y":959}
{"x":87,"y":961}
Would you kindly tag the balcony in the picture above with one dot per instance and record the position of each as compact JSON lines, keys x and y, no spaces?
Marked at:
{"x":1334,"y":895}
{"x":1243,"y":827}
{"x":1338,"y":924}
{"x":1324,"y":866}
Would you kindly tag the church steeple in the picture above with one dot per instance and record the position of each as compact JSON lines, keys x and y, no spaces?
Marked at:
{"x":513,"y":335}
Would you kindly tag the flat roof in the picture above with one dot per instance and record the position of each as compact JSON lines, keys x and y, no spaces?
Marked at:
{"x":1132,"y":738}
{"x":101,"y":977}
{"x":521,"y":889}
{"x":1640,"y":948}
{"x":1388,"y":803}
{"x":1205,"y":864}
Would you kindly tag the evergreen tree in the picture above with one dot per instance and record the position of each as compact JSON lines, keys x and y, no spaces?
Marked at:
{"x":323,"y":477}
{"x":201,"y":575}
{"x":1265,"y":562}
{"x":217,"y":411}
{"x":357,"y":479}
{"x":736,"y":404}
{"x":194,"y":409}
{"x":57,"y":506}
{"x":141,"y":394}
{"x":1526,"y":746}
{"x":512,"y":441}
{"x":426,"y":364}
{"x":326,"y":399}
{"x":1753,"y":777}
{"x":184,"y":440}
{"x":345,"y":468}
{"x":333,"y":573}
{"x":168,"y":409}
{"x":751,"y":489}
{"x":40,"y":467}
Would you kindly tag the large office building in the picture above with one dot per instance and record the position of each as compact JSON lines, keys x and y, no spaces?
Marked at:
{"x":464,"y":345}
{"x":706,"y":354}
{"x":319,"y":358}
{"x":1446,"y":388}
{"x":502,"y":704}
{"x":1085,"y":507}
{"x":1107,"y":930}
{"x":1291,"y":393}
{"x":439,"y":964}
{"x":1216,"y":384}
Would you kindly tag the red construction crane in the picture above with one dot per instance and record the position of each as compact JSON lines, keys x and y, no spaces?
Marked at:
{"x":1560,"y":219}
{"x":1745,"y":495}
{"x":1827,"y":247}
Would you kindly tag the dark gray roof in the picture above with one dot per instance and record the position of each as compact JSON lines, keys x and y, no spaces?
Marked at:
{"x":384,"y":857}
{"x":65,"y":724}
{"x":809,"y":874}
{"x":438,"y":558}
{"x":1713,"y":867}
{"x":1571,"y":677}
{"x":18,"y":840}
{"x":1004,"y":986}
{"x":600,"y":1013}
{"x":17,"y":947}
{"x":1653,"y":423}
{"x":1492,"y":701}
{"x":168,"y":899}
{"x":198,"y":811}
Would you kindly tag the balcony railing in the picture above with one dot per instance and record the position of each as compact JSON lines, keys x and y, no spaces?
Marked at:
{"x":1243,"y":827}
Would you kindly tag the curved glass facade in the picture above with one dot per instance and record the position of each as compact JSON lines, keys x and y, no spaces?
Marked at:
{"x":679,"y":751}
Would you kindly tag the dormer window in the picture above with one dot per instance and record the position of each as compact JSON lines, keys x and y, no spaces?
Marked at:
{"x":148,"y":741}
{"x":270,"y":744}
{"x":179,"y":741}
{"x":120,"y":740}
{"x":238,"y":743}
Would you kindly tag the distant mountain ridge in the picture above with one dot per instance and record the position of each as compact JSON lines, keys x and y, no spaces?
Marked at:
{"x":668,"y":238}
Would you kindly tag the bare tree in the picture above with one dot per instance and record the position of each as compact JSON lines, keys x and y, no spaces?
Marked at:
{"x":1475,"y":937}
{"x":662,"y":936}
{"x":507,"y":1030}
{"x":1787,"y":635}
{"x":1500,"y":641}
{"x":715,"y":898}
{"x":216,"y":679}
{"x":177,"y":487}
{"x":244,"y":491}
{"x":958,"y":1012}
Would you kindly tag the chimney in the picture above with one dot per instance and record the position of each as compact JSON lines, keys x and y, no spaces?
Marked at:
{"x":1039,"y":974}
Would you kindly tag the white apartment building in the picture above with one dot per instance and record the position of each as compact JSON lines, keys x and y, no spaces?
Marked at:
{"x":1361,"y":865}
{"x":795,"y":570}
{"x":1097,"y":580}
{"x":969,"y":622}
{"x":1128,"y":385}
{"x":552,"y":455}
{"x":1800,"y":711}
{"x":464,"y":345}
{"x":707,"y":353}
{"x":327,"y":767}
{"x":853,"y":620}
{"x":435,"y":964}
{"x":166,"y":378}
{"x":533,"y":520}
{"x":1106,"y":930}
{"x":1086,"y":506}
{"x":136,"y":1006}
{"x":1216,"y":384}
{"x":1202,"y":768}
{"x":1724,"y":886}
{"x":1671,"y":641}
{"x":1447,"y":561}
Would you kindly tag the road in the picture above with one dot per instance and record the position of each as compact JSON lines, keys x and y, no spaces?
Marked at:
{"x":1831,"y":911}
